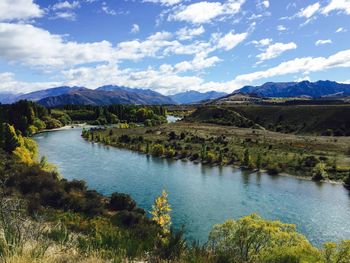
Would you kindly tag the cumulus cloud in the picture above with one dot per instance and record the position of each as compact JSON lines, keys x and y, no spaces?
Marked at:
{"x":323,"y":42}
{"x":276,"y":50}
{"x":200,"y":61}
{"x":300,"y":65}
{"x":9,"y":83}
{"x":310,"y":10}
{"x":205,"y":12}
{"x":24,"y":9}
{"x":186,"y":33}
{"x":337,"y":5}
{"x":37,"y":47}
{"x":230,"y":40}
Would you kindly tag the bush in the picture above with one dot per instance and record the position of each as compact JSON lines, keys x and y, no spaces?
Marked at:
{"x":158,"y":150}
{"x":319,"y":172}
{"x":121,"y":202}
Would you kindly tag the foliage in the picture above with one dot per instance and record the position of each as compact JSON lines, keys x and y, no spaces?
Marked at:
{"x":9,"y":140}
{"x":161,"y":212}
{"x":319,"y":172}
{"x":336,"y":253}
{"x":253,"y":239}
{"x":120,"y":201}
{"x":158,"y":150}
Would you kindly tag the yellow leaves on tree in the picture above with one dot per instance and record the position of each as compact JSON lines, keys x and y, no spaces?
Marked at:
{"x":27,"y":152}
{"x":161,"y":212}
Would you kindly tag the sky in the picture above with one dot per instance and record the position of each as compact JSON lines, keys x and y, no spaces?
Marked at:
{"x":171,"y":46}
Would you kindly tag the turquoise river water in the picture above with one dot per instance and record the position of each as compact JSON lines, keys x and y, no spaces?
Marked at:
{"x":201,"y":196}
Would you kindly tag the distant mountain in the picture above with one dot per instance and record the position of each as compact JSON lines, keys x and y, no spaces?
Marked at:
{"x":106,"y":96}
{"x":317,"y":89}
{"x":193,"y":96}
{"x":7,"y":97}
{"x":38,"y":95}
{"x":151,"y":96}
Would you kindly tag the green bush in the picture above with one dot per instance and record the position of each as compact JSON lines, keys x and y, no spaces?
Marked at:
{"x":120,"y":201}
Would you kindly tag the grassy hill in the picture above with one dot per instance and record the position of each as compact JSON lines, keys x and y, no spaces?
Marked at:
{"x":303,"y":119}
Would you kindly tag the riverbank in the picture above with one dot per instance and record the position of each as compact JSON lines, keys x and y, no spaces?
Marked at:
{"x":300,"y":156}
{"x":66,"y":127}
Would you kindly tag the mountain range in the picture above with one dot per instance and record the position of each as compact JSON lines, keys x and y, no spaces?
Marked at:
{"x":317,"y":89}
{"x":192,"y":96}
{"x":111,"y":94}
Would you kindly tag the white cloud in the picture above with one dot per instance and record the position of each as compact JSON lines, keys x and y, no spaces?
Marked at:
{"x":108,"y":10}
{"x":340,"y":30}
{"x":65,"y":15}
{"x":186,"y":33}
{"x":266,"y":4}
{"x":262,"y":42}
{"x":337,"y":5}
{"x":19,"y":10}
{"x":37,"y":47}
{"x":164,"y":2}
{"x":309,"y":11}
{"x":299,"y":65}
{"x":276,"y":50}
{"x":66,"y":5}
{"x":204,"y":12}
{"x":303,"y":78}
{"x":281,"y":28}
{"x":200,"y":61}
{"x":230,"y":40}
{"x":323,"y":42}
{"x":164,"y":81}
{"x":135,"y":28}
{"x":10,"y":84}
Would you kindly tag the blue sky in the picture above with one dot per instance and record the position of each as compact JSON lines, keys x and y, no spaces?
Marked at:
{"x":171,"y":45}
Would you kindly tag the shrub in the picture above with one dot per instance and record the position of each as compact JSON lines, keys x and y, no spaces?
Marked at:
{"x":121,"y":201}
{"x":158,"y":150}
{"x":319,"y":172}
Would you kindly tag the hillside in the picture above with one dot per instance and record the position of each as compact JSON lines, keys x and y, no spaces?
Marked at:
{"x":301,"y":119}
{"x":38,"y":95}
{"x":298,"y":89}
{"x":101,"y":97}
{"x":193,"y":96}
{"x":221,"y":116}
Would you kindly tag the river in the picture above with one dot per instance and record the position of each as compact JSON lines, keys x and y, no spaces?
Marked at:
{"x":201,"y":196}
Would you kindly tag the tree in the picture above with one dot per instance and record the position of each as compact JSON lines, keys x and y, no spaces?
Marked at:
{"x":319,"y":172}
{"x":161,"y":212}
{"x":336,"y":253}
{"x":246,"y":158}
{"x":9,"y":140}
{"x":253,"y":239}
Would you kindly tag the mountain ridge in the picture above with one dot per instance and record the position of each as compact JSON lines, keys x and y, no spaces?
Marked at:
{"x":192,"y":96}
{"x":305,"y":88}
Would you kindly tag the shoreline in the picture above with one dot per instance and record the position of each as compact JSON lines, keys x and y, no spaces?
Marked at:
{"x":66,"y":127}
{"x":226,"y":165}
